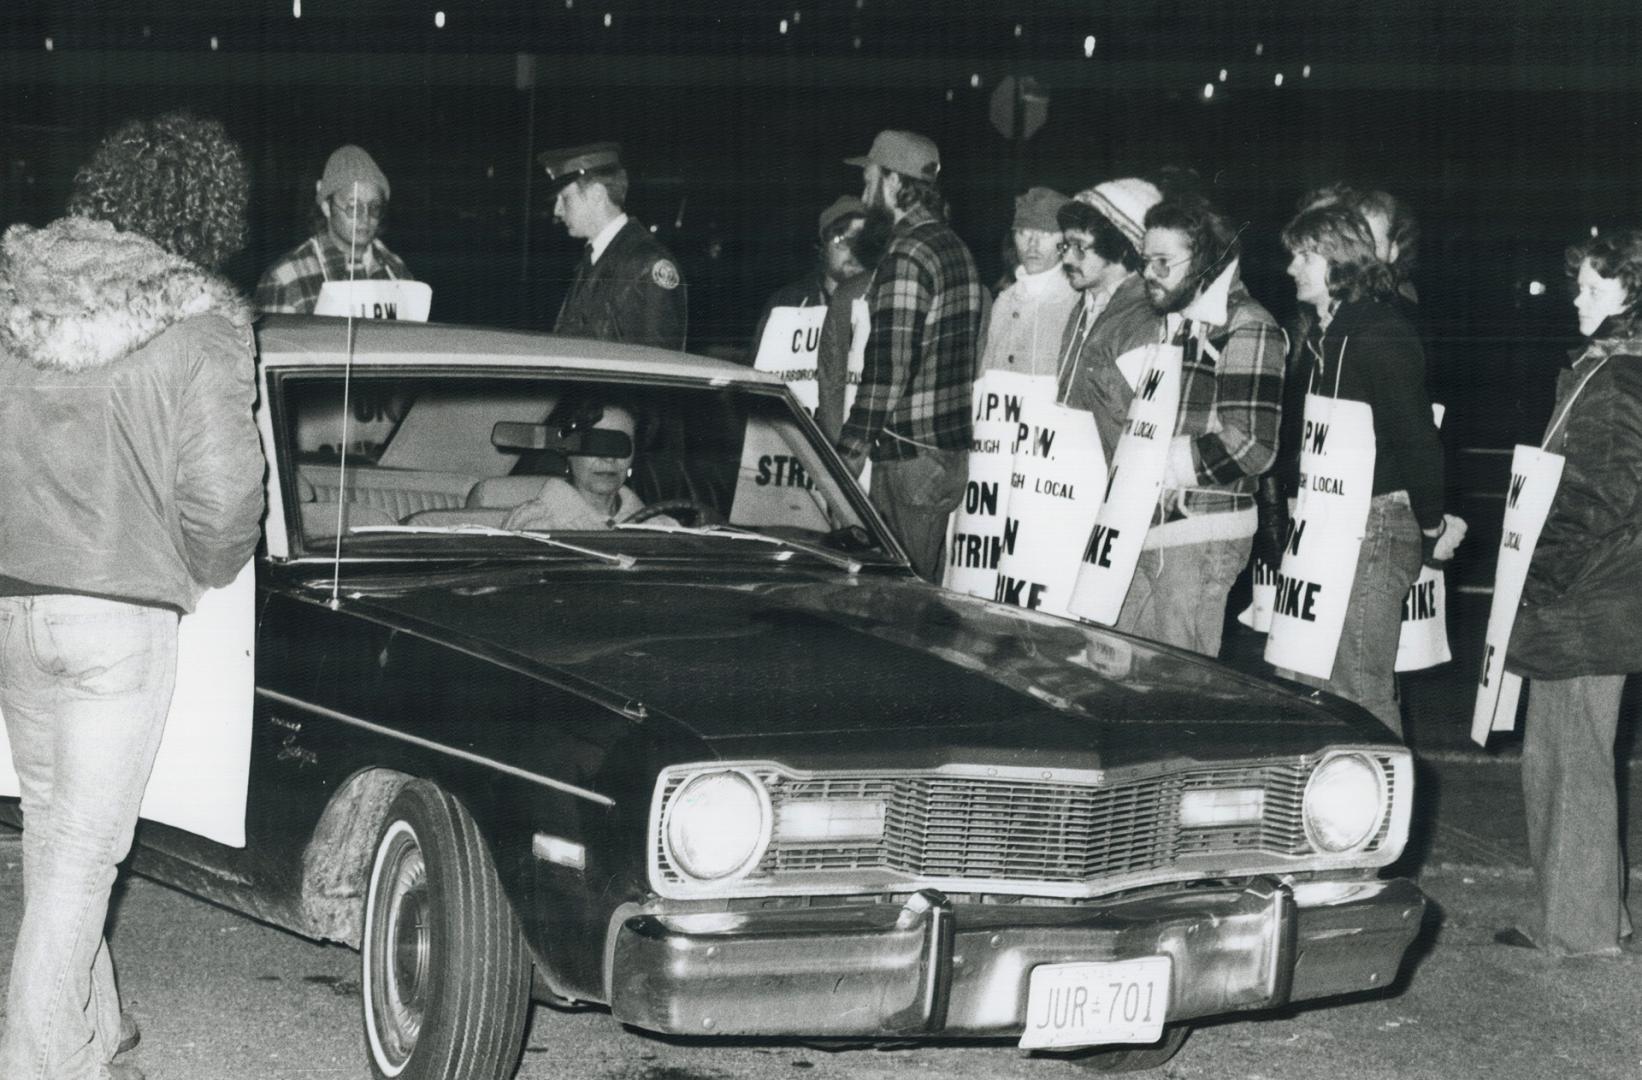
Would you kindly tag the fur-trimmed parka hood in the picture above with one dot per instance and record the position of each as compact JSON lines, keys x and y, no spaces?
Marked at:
{"x":79,"y":294}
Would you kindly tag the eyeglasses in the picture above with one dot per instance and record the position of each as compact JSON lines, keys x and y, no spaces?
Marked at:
{"x":1077,"y":248}
{"x":1161,"y":265}
{"x":372,"y":209}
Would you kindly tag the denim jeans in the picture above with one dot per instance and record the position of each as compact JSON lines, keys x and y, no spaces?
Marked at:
{"x":1387,"y":564}
{"x":916,"y":496}
{"x":1178,"y":594}
{"x":85,"y":685}
{"x":1573,"y":814}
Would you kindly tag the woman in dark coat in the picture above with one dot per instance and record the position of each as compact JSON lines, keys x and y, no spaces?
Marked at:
{"x":1576,"y":631}
{"x":1361,"y":349}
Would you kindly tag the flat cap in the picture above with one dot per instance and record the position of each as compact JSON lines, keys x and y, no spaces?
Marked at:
{"x":903,"y":152}
{"x":573,"y":161}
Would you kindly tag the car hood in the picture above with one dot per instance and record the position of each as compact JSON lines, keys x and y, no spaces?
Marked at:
{"x":830,"y":670}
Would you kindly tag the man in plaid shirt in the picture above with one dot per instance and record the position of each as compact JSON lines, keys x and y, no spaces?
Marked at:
{"x":1231,"y":398}
{"x":352,"y":196}
{"x":912,"y":414}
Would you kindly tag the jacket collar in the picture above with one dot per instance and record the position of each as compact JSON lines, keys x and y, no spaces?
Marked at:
{"x":79,"y":294}
{"x":1618,"y":334}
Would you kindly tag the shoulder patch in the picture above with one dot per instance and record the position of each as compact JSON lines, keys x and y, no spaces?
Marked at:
{"x":664,"y":273}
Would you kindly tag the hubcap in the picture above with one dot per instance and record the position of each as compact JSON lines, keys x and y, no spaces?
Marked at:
{"x":403,"y":950}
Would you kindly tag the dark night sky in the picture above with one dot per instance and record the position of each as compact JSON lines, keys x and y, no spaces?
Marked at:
{"x":1508,"y":125}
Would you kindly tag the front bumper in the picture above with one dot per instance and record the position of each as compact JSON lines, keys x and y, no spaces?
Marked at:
{"x":935,"y":967}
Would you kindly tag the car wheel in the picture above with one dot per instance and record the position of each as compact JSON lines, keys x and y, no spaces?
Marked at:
{"x":1121,"y":1059}
{"x":444,"y":968}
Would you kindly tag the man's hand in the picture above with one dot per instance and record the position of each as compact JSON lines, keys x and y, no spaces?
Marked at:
{"x":1438,"y":547}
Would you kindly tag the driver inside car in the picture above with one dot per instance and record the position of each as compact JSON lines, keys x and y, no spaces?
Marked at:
{"x":595,"y":495}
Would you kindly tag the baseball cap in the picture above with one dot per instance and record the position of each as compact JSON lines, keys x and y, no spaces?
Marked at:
{"x":903,"y":152}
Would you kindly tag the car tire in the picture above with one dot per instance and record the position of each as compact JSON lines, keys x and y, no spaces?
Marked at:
{"x":1122,"y":1059}
{"x":444,"y":971}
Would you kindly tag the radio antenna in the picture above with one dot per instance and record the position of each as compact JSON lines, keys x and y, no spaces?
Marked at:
{"x":347,"y":404}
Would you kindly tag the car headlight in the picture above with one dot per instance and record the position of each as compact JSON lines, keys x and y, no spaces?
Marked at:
{"x":718,"y":825}
{"x":1344,"y":803}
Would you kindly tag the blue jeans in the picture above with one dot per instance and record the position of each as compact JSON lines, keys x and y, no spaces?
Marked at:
{"x":1387,"y":564}
{"x":1573,"y":814}
{"x":85,"y":685}
{"x":1178,"y":594}
{"x":916,"y":496}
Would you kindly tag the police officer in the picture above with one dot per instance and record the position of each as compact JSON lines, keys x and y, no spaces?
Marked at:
{"x":627,"y":286}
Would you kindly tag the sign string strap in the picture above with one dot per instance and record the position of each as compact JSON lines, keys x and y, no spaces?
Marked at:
{"x":1567,"y":406}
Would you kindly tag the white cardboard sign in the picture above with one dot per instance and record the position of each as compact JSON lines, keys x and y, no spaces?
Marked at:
{"x":1535,"y":474}
{"x":792,"y":338}
{"x":1423,"y":640}
{"x":1325,"y":535}
{"x":1005,"y":405}
{"x":203,"y":767}
{"x":1058,"y":481}
{"x":1111,"y":549}
{"x":406,"y":301}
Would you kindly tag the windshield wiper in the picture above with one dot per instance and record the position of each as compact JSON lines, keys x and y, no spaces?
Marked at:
{"x":735,"y":532}
{"x":624,"y":562}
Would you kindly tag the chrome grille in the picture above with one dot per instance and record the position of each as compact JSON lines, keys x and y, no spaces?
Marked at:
{"x":975,"y":828}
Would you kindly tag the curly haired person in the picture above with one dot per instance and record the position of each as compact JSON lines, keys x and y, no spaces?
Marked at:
{"x":131,"y":474}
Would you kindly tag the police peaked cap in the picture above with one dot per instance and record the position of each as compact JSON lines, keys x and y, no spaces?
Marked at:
{"x":567,"y":164}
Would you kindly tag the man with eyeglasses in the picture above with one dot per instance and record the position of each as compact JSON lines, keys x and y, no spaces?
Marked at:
{"x":1225,"y":434}
{"x":1100,"y":346}
{"x":838,"y":226}
{"x":1022,"y":331}
{"x":351,"y":198}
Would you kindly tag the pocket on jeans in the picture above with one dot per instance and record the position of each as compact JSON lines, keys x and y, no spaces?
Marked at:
{"x":100,"y":654}
{"x":935,"y":481}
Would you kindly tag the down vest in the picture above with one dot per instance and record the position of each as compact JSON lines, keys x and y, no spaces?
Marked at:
{"x":1582,"y":602}
{"x":129,"y":462}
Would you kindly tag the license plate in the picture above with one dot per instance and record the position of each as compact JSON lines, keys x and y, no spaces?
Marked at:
{"x":1091,"y":1004}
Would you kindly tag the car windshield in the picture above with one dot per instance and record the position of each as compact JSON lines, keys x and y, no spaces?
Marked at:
{"x":489,"y":461}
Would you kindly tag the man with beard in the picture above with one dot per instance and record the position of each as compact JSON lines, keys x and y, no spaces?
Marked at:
{"x":1231,"y":393}
{"x":838,"y":226}
{"x":926,"y":303}
{"x":844,"y":331}
{"x":1101,"y":345}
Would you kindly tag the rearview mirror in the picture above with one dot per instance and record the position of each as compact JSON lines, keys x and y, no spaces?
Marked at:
{"x":588,"y":442}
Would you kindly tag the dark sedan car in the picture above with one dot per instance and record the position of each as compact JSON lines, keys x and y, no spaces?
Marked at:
{"x":713,"y":758}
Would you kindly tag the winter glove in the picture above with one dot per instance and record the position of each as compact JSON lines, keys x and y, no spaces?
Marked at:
{"x":1271,"y":508}
{"x":1436,"y":550}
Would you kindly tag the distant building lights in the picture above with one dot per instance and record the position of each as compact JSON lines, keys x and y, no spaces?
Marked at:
{"x":1259,"y":48}
{"x":783,"y":26}
{"x":490,"y":172}
{"x":859,"y":4}
{"x":568,"y":4}
{"x":797,"y":17}
{"x":1089,"y":45}
{"x":439,"y":20}
{"x":1208,"y":91}
{"x":296,"y":9}
{"x":1536,"y":288}
{"x":857,"y":41}
{"x":148,"y":32}
{"x":1594,"y":229}
{"x":1222,"y":74}
{"x":1277,"y":80}
{"x":608,"y":19}
{"x":1019,"y":29}
{"x":950,"y":95}
{"x":1305,"y":72}
{"x":213,"y":43}
{"x":50,"y":45}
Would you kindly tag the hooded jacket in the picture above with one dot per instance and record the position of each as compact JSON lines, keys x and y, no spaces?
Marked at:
{"x":130,"y":466}
{"x":1582,"y":601}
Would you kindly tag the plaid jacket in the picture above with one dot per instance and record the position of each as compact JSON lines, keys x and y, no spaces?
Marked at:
{"x":292,"y":284}
{"x":927,"y":302}
{"x":1231,"y":398}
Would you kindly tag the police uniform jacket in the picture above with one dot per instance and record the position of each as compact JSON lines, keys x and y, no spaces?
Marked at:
{"x":633,"y":294}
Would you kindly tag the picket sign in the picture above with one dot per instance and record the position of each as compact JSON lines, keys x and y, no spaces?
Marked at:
{"x":1423,"y":640}
{"x":792,"y":338}
{"x":1059,"y":479}
{"x":860,"y":330}
{"x":1262,"y":596}
{"x":405,"y":301}
{"x":1535,"y":474}
{"x":1111,"y":549}
{"x":1325,"y":535}
{"x":773,"y":484}
{"x":202,"y":771}
{"x":1006,"y":404}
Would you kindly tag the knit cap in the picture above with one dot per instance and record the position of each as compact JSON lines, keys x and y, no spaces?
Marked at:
{"x":347,"y":165}
{"x":1037,"y":209}
{"x":1124,"y":203}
